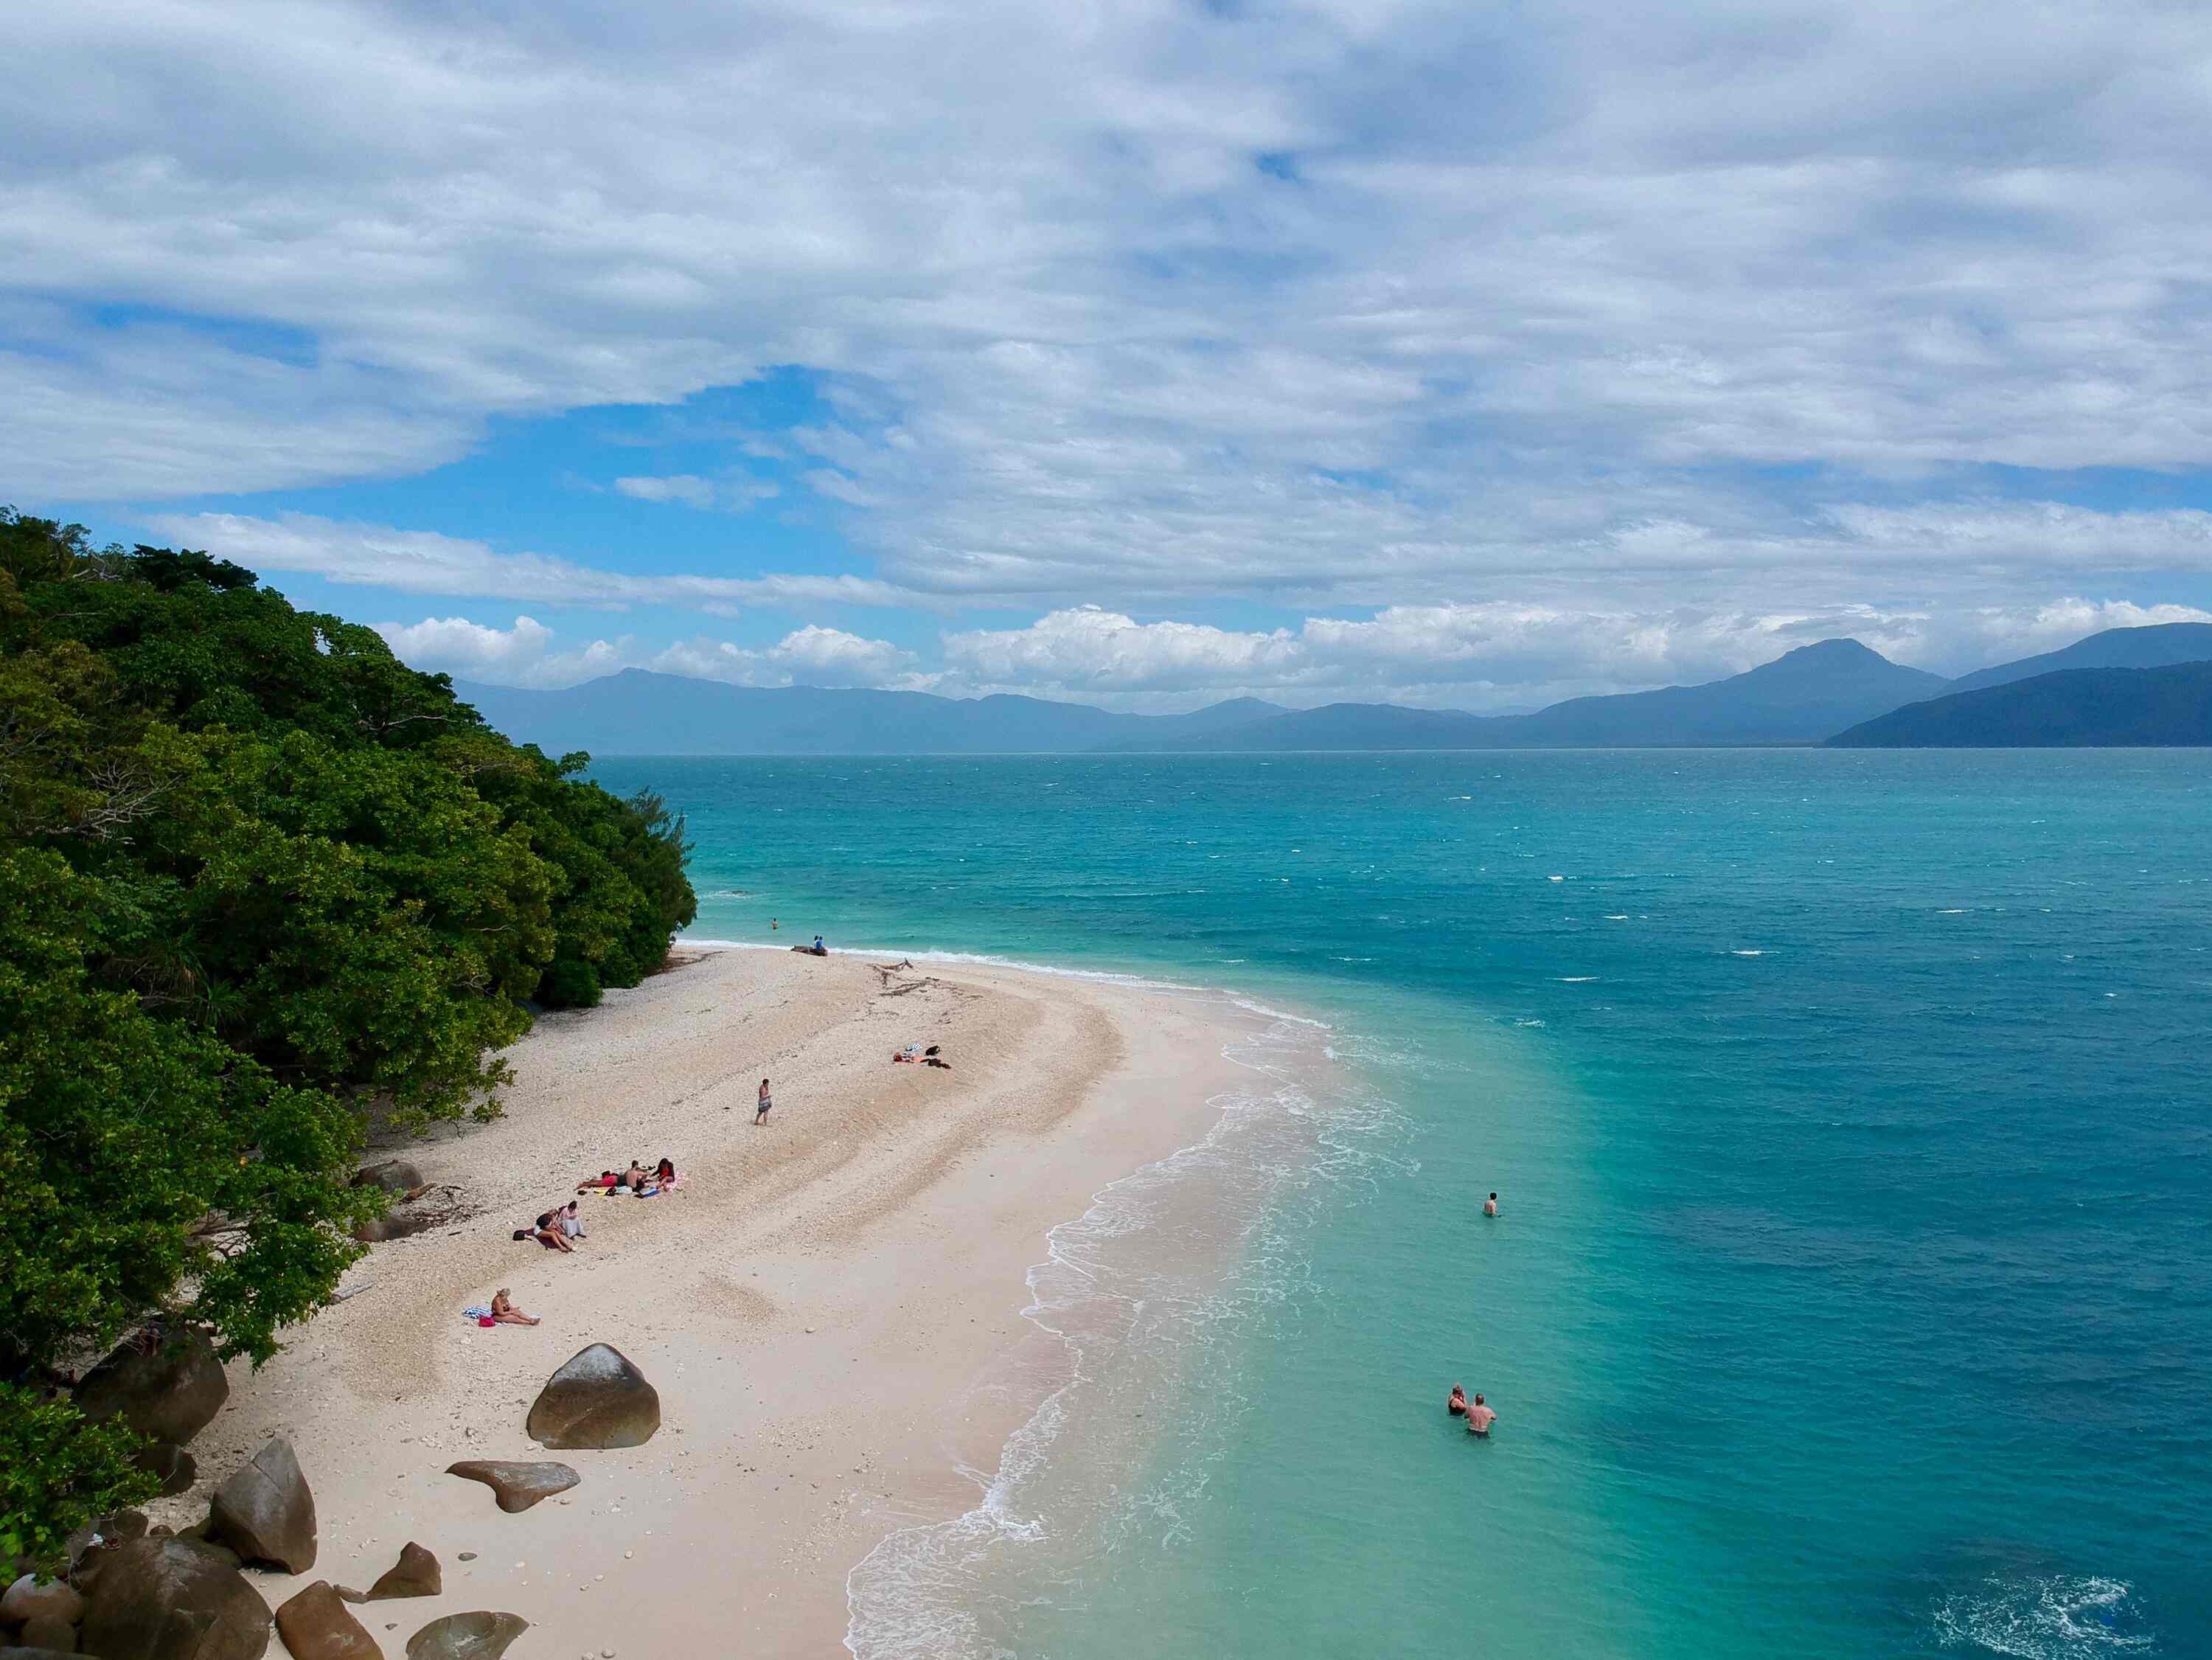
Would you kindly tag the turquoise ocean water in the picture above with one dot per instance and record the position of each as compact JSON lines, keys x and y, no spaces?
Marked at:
{"x":1852,"y":1119}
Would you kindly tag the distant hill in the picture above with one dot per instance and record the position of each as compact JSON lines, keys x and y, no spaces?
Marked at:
{"x":2158,"y":646}
{"x":1799,"y":698}
{"x":638,"y":712}
{"x":2073,"y":708}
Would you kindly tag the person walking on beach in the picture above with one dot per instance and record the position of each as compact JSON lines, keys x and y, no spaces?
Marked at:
{"x":1490,"y":1206}
{"x":761,"y":1115}
{"x":1480,"y":1418}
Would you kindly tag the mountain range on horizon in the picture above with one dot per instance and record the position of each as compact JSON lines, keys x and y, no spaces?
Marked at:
{"x":1806,"y":696}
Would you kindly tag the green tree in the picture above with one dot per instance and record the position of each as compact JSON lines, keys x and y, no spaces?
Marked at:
{"x":262,"y":878}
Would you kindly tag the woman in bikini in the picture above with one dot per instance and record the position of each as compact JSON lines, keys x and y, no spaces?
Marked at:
{"x":505,"y":1313}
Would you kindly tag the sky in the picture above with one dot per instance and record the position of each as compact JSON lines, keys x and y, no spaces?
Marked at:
{"x":1461,"y":354}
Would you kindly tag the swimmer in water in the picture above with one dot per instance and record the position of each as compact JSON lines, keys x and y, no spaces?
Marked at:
{"x":1490,"y":1206}
{"x":1457,"y":1405}
{"x":1480,"y":1418}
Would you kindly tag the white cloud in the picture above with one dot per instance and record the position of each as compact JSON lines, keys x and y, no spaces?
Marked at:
{"x":1083,"y":342}
{"x":1489,"y":655}
{"x":686,"y":487}
{"x":425,"y":562}
{"x":455,"y":644}
{"x":523,"y":655}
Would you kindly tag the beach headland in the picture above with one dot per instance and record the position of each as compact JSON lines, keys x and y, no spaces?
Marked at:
{"x":830,"y":1304}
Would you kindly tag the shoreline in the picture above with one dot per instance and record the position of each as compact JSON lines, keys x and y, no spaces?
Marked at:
{"x":832,"y":1307}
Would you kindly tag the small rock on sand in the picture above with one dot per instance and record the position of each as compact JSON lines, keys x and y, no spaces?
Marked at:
{"x":474,"y":1636}
{"x":516,"y":1484}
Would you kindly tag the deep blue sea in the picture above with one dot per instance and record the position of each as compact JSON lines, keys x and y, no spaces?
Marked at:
{"x":1851,"y":1115}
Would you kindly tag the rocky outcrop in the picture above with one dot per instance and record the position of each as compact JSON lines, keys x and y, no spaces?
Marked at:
{"x":169,"y":1391}
{"x":316,"y":1626}
{"x":598,"y":1399}
{"x":47,"y":1635}
{"x":517,"y":1485}
{"x":32,"y":1598}
{"x":466,"y":1637}
{"x":167,"y":1599}
{"x":392,"y":1174}
{"x":265,"y":1513}
{"x":416,"y":1573}
{"x":169,"y":1464}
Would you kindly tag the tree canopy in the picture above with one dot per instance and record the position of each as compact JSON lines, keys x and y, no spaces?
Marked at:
{"x":264,"y":880}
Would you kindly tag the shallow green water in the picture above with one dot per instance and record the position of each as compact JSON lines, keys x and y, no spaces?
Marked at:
{"x":1853,"y":1291}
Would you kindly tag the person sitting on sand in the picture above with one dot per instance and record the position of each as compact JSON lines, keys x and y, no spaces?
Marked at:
{"x":1490,"y":1206}
{"x":820,"y":950}
{"x":666,"y":1174}
{"x":635,"y":1178}
{"x":505,"y":1313}
{"x":571,"y":1226}
{"x":1480,"y":1418}
{"x":1456,"y":1405}
{"x":761,"y":1117}
{"x":547,"y":1234}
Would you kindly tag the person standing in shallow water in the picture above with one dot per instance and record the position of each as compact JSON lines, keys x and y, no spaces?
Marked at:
{"x":1490,"y":1206}
{"x":761,"y":1115}
{"x":1480,"y":1418}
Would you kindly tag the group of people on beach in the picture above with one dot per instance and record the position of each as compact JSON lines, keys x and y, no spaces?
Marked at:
{"x":559,"y":1228}
{"x":1477,"y":1413}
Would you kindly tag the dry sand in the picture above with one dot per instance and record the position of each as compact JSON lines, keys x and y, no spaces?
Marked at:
{"x":828,"y":1305}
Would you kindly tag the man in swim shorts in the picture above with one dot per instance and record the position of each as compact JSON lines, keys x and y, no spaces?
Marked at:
{"x":1480,"y":1418}
{"x":1490,"y":1206}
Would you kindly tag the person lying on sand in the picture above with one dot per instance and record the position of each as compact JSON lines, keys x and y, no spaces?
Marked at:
{"x":505,"y":1313}
{"x":1456,"y":1405}
{"x":599,"y":1183}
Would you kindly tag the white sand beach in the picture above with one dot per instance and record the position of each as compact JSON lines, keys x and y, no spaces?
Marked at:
{"x":828,"y":1305}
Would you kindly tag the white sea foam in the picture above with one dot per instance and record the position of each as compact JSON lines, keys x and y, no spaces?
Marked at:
{"x":2043,"y":1617}
{"x":1576,"y":979}
{"x":1136,"y":1311}
{"x":1747,"y":953}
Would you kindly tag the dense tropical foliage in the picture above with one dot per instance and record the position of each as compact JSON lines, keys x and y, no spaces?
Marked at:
{"x":262,"y":881}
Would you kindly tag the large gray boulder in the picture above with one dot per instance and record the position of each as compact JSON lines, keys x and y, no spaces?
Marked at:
{"x":170,"y":1392}
{"x":466,"y":1637}
{"x":392,"y":1174}
{"x":417,"y":1573}
{"x":165,"y":1599}
{"x":316,"y":1626}
{"x":516,"y":1483}
{"x":31,"y":1598}
{"x":169,"y":1464}
{"x":56,"y":1636}
{"x":596,"y":1400}
{"x":265,"y":1513}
